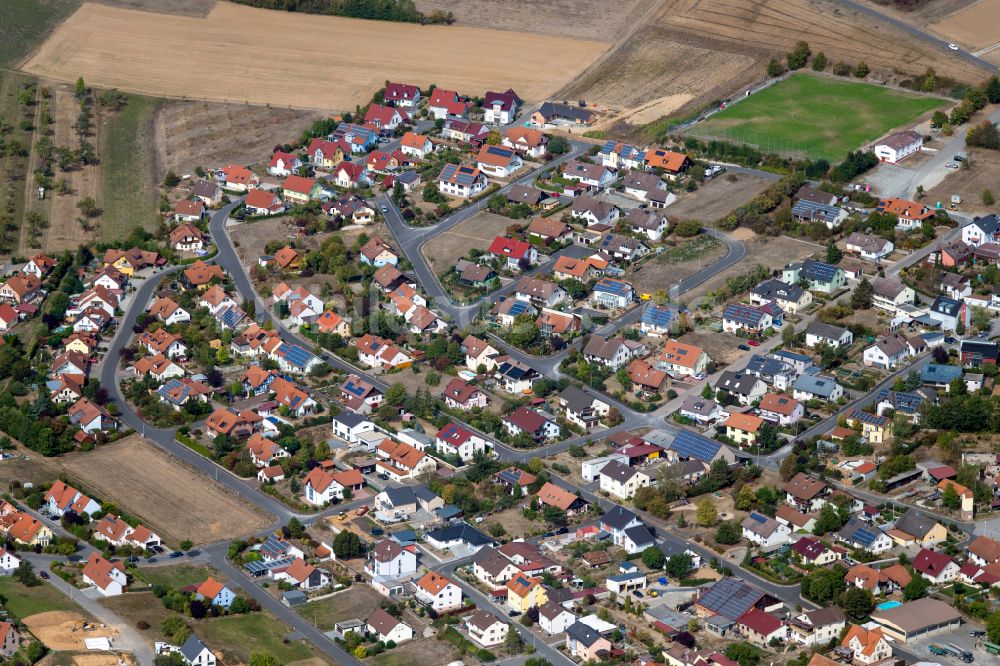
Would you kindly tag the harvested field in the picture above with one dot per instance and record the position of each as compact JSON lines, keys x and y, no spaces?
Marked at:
{"x":184,"y":7}
{"x":816,"y":116}
{"x":580,"y":19}
{"x":476,"y":232}
{"x":59,"y":630}
{"x":712,"y":49}
{"x":717,"y":198}
{"x":359,"y":601}
{"x":422,"y":651}
{"x":975,"y":27}
{"x":190,"y":134}
{"x":151,"y":54}
{"x":969,"y":183}
{"x":173,"y":499}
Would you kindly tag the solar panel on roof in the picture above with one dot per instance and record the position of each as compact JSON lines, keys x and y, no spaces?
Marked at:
{"x":742,"y":314}
{"x":865,"y":537}
{"x":691,"y":445}
{"x":819,"y":271}
{"x":519,"y":308}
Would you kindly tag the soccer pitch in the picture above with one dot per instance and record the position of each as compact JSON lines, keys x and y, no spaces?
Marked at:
{"x":815,"y":116}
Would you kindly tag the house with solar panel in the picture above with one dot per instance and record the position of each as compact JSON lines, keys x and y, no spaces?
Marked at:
{"x":688,"y":445}
{"x":461,"y":181}
{"x":818,"y":276}
{"x":506,"y":311}
{"x":498,"y":161}
{"x":743,"y":318}
{"x":731,"y":598}
{"x":904,"y":403}
{"x":609,"y":293}
{"x":294,"y":359}
{"x":764,"y":531}
{"x":813,"y":211}
{"x":514,"y":377}
{"x":863,"y":536}
{"x":771,"y":370}
{"x":657,"y":320}
{"x":620,"y":155}
{"x":874,"y":428}
{"x":360,"y":395}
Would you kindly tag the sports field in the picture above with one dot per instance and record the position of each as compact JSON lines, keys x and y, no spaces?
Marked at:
{"x":816,"y":116}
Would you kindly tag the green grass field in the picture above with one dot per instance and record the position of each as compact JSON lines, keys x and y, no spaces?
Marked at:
{"x":26,"y":23}
{"x":815,"y":116}
{"x":239,"y":635}
{"x":178,"y":576}
{"x":24,"y":601}
{"x":129,"y":195}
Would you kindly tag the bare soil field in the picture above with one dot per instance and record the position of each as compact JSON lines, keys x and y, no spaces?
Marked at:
{"x":190,"y":134}
{"x":710,"y":49}
{"x":984,"y":173}
{"x":173,"y":499}
{"x":581,"y":19}
{"x":476,"y":232}
{"x":975,"y":26}
{"x":716,"y":198}
{"x":56,"y":630}
{"x":153,"y":54}
{"x":660,"y":273}
{"x":183,"y":7}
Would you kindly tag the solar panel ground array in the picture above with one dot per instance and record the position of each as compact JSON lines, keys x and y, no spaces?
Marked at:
{"x":816,"y":116}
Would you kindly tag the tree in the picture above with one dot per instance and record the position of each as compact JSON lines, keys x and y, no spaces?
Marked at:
{"x":983,"y":135}
{"x":861,"y":298}
{"x":774,"y":68}
{"x":727,"y":534}
{"x":25,"y":574}
{"x":654,"y":558}
{"x":987,"y":196}
{"x":535,"y":465}
{"x":916,"y":588}
{"x":992,"y":89}
{"x":706,"y":515}
{"x":950,"y":498}
{"x":295,"y":528}
{"x":799,"y":56}
{"x":993,"y":627}
{"x":743,"y":653}
{"x":828,"y":520}
{"x":745,"y":498}
{"x":558,"y":145}
{"x":171,"y":179}
{"x":263,"y":659}
{"x":678,"y":565}
{"x":823,"y":585}
{"x":88,"y":207}
{"x":833,"y":253}
{"x":186,"y":544}
{"x":81,"y":88}
{"x":858,"y":603}
{"x":861,"y":70}
{"x":347,"y":545}
{"x":939,"y":119}
{"x":819,"y":62}
{"x":511,"y":645}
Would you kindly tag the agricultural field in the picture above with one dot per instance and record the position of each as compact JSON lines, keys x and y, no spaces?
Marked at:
{"x":90,"y":44}
{"x":815,"y":116}
{"x":26,"y":23}
{"x":174,"y":500}
{"x":974,"y":27}
{"x":716,"y":198}
{"x":710,"y":50}
{"x":190,"y":134}
{"x":15,"y":147}
{"x":581,"y":19}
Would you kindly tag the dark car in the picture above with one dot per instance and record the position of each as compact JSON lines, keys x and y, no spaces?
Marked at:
{"x":176,"y":553}
{"x":192,"y":553}
{"x":562,"y":530}
{"x":377,"y":531}
{"x":638,"y":593}
{"x":950,"y":340}
{"x":44,"y":575}
{"x":744,"y":347}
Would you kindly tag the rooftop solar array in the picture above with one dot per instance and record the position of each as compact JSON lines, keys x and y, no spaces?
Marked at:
{"x":691,"y":445}
{"x":730,"y":597}
{"x":499,"y":151}
{"x":295,"y":355}
{"x":817,"y":270}
{"x":519,"y":308}
{"x":257,"y":568}
{"x":871,"y":419}
{"x":659,"y":315}
{"x":616,"y":287}
{"x":742,"y":314}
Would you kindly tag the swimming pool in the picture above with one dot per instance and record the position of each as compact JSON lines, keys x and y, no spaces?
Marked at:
{"x":888,"y":604}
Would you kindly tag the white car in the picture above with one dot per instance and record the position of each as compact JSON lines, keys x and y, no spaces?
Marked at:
{"x":953,"y":47}
{"x":950,"y":165}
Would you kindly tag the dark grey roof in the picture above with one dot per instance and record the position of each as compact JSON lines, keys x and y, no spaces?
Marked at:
{"x":349,"y":419}
{"x":816,"y":385}
{"x":774,"y":289}
{"x":730,"y":598}
{"x":640,"y":535}
{"x":618,"y":471}
{"x":400,"y":496}
{"x":424,"y":493}
{"x":549,"y":109}
{"x":915,"y":523}
{"x":618,"y":517}
{"x":577,"y":400}
{"x":462,"y":531}
{"x":736,"y":382}
{"x":946,"y":306}
{"x":824,"y":330}
{"x":192,"y":648}
{"x":582,"y":633}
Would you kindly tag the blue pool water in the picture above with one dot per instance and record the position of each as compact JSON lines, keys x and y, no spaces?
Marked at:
{"x":888,"y":604}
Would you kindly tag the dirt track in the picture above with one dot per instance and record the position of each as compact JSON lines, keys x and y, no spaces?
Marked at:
{"x":242,"y":54}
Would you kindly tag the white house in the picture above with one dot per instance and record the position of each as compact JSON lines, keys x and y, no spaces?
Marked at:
{"x":8,"y":561}
{"x":765,"y":531}
{"x":438,"y":592}
{"x":622,"y":480}
{"x":486,"y":629}
{"x":385,"y":627}
{"x":553,"y":618}
{"x":348,"y":426}
{"x":898,"y":146}
{"x":820,"y":333}
{"x":456,"y":440}
{"x":388,"y":559}
{"x":461,"y":181}
{"x":108,"y":577}
{"x":981,"y":231}
{"x":887,"y":352}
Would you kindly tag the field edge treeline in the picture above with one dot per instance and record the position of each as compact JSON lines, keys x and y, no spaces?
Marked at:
{"x":403,"y":11}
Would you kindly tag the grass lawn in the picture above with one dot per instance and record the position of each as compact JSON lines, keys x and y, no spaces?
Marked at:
{"x":177,"y":576}
{"x":26,"y":23}
{"x":816,"y":116}
{"x":24,"y":601}
{"x":689,"y":250}
{"x":128,"y":194}
{"x":239,"y":635}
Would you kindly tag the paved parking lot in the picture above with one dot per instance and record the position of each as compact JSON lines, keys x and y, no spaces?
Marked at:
{"x":958,"y":636}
